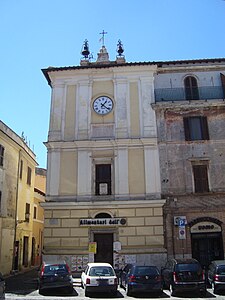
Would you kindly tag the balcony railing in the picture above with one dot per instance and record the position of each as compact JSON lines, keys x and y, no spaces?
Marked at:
{"x":182,"y":94}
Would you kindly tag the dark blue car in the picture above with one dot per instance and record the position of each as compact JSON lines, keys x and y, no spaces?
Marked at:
{"x":142,"y":279}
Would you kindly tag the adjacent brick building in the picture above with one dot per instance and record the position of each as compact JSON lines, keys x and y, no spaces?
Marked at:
{"x":190,"y":113}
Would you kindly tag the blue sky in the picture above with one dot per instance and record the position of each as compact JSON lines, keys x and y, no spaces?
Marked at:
{"x":36,"y":34}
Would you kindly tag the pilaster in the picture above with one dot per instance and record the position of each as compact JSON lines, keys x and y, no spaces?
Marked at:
{"x":121,"y":113}
{"x":53,"y":172}
{"x":56,"y":112}
{"x":83,"y":110}
{"x":152,"y":171}
{"x":147,"y":113}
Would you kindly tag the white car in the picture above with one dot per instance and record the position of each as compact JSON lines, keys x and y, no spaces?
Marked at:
{"x":99,"y":277}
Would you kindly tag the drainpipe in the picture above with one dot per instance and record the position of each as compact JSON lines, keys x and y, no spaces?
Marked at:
{"x":17,"y":197}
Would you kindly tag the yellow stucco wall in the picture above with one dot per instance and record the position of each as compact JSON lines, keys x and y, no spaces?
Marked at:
{"x":16,"y":193}
{"x":38,"y":223}
{"x":26,"y":195}
{"x":68,"y":178}
{"x":8,"y":186}
{"x":136,"y":171}
{"x":143,"y":230}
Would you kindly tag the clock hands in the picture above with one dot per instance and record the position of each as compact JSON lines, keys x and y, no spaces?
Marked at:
{"x":103,"y":105}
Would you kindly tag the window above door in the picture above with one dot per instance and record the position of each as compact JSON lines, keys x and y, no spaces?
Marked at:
{"x":103,"y":184}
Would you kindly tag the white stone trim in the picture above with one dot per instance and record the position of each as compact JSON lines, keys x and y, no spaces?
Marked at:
{"x":152,"y":171}
{"x":53,"y":172}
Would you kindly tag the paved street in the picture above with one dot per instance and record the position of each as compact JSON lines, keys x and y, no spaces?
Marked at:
{"x":24,"y":286}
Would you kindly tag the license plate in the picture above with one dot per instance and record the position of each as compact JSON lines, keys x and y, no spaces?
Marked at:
{"x":102,"y":281}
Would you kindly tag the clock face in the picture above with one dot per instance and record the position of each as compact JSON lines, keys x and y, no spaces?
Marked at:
{"x":103,"y":105}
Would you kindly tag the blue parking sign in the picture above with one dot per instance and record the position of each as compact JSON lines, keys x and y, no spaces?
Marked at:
{"x":181,"y":222}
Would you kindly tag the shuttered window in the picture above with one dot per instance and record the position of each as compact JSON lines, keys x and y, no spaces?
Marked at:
{"x":222,"y":77}
{"x":29,"y":176}
{"x":200,"y":178}
{"x":35,"y":212}
{"x":103,"y":179}
{"x":21,"y":169}
{"x":196,"y":128}
{"x":191,"y":88}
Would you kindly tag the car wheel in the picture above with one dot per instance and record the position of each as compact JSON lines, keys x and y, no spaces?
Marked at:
{"x":114,"y":293}
{"x":70,"y":290}
{"x":86,"y":293}
{"x":41,"y":291}
{"x":203,"y":293}
{"x":166,"y":286}
{"x":159,"y":293}
{"x":172,"y":292}
{"x":128,"y":292}
{"x":214,"y":288}
{"x":121,"y":284}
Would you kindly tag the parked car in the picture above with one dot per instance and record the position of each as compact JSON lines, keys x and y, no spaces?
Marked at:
{"x":55,"y":275}
{"x":139,"y":278}
{"x":99,"y":277}
{"x":184,"y":275}
{"x":216,"y":275}
{"x":2,"y":287}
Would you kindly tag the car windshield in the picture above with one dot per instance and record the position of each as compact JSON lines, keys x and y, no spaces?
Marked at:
{"x":101,"y":271}
{"x":221,"y":270}
{"x":55,"y":269}
{"x":146,"y":271}
{"x":188,"y":267}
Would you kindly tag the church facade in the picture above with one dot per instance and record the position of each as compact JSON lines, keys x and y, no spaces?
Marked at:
{"x":135,"y":161}
{"x":103,"y":197}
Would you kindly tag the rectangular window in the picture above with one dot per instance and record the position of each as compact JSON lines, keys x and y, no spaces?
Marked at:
{"x":201,"y":178}
{"x":103,"y":179}
{"x":196,"y":128}
{"x":29,"y":175}
{"x":35,"y":212}
{"x":2,"y":149}
{"x":27,"y":212}
{"x":21,"y":169}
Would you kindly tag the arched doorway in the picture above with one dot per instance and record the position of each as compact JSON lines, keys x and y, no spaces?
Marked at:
{"x":206,"y":240}
{"x":104,"y":240}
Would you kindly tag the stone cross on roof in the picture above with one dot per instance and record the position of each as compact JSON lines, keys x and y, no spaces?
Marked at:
{"x":102,"y":39}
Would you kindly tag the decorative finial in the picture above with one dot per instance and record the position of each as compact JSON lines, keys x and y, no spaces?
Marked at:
{"x":85,"y":51}
{"x":102,"y":39}
{"x":120,"y":48}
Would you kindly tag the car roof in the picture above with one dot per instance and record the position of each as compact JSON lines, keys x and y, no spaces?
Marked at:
{"x":47,"y":263}
{"x":185,"y":260}
{"x":218,"y":262}
{"x":140,"y":265}
{"x":99,"y":265}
